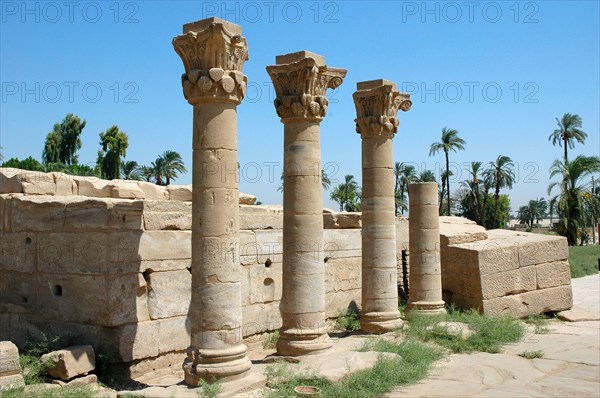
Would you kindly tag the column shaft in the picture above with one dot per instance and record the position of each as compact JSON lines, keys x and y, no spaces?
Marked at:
{"x":425,"y":284}
{"x":301,"y":80}
{"x":377,"y":103}
{"x":214,"y":85}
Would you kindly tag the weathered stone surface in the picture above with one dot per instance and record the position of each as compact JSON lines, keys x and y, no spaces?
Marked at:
{"x":93,"y":187}
{"x":65,"y":184}
{"x":38,"y":213}
{"x":70,"y":362}
{"x":11,"y":381}
{"x":124,"y":189}
{"x":504,"y":283}
{"x":553,"y":274}
{"x":100,"y":214}
{"x":534,"y":302}
{"x":78,"y":382}
{"x":9,"y":361}
{"x":577,"y":314}
{"x":17,"y":292}
{"x":174,"y":334}
{"x":247,"y":199}
{"x":458,"y":329}
{"x":152,"y":191}
{"x":342,"y":274}
{"x":261,"y":217}
{"x":10,"y":181}
{"x":138,"y":340}
{"x":460,"y":230}
{"x":169,"y":293}
{"x":165,"y":245}
{"x":260,"y":318}
{"x":342,"y":220}
{"x":181,"y":193}
{"x":18,"y":251}
{"x":167,"y":215}
{"x":37,"y":183}
{"x":264,"y":283}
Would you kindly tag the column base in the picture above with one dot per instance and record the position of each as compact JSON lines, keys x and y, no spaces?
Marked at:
{"x":297,"y":342}
{"x":380,"y":322}
{"x":426,"y":308}
{"x":225,"y":364}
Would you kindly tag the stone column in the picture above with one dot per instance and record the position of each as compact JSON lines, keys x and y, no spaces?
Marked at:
{"x":425,"y":284}
{"x":213,"y":53}
{"x":301,"y":80}
{"x":377,"y":103}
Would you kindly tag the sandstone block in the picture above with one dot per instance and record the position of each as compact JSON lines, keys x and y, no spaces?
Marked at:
{"x":401,"y":234}
{"x":167,"y":215}
{"x":71,"y":362}
{"x":247,"y":199}
{"x":535,"y":302}
{"x":505,"y":283}
{"x":101,"y":213}
{"x":165,"y":245}
{"x":38,"y":213}
{"x":342,"y":220}
{"x":261,"y":217}
{"x":342,"y":274}
{"x":17,"y":292}
{"x":37,"y":183}
{"x":152,"y":191}
{"x":10,"y":181}
{"x":65,"y":184}
{"x":78,"y":382}
{"x":260,"y":318}
{"x":9,"y":360}
{"x":460,"y":230}
{"x":138,"y":340}
{"x":181,"y":193}
{"x":553,"y":274}
{"x":126,"y":190}
{"x":169,"y":293}
{"x":174,"y":334}
{"x":93,"y":187}
{"x":265,"y":283}
{"x":341,"y":301}
{"x":11,"y":381}
{"x":18,"y":251}
{"x":538,"y":249}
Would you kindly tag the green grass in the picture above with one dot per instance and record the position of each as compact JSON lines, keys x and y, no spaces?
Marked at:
{"x":271,"y":340}
{"x":383,"y":377}
{"x":584,"y":260}
{"x":209,"y":390}
{"x":490,"y":333}
{"x":540,"y":322}
{"x":348,"y":321}
{"x":532,"y":354}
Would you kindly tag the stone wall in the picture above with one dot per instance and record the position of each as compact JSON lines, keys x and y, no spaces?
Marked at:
{"x":502,"y":271}
{"x":115,"y":272}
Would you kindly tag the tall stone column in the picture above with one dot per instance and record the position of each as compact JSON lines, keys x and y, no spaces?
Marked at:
{"x":213,"y":53}
{"x":301,"y":80}
{"x":425,"y":283}
{"x":377,"y":103}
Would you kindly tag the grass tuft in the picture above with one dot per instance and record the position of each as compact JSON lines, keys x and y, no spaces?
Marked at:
{"x":348,"y":321}
{"x":532,"y":354}
{"x":539,"y":321}
{"x":271,"y":340}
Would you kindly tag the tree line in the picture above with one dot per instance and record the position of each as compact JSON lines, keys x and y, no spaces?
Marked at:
{"x":60,"y":153}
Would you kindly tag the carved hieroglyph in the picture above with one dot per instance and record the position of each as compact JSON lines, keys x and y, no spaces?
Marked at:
{"x":213,"y":53}
{"x":377,"y":103}
{"x":301,"y":80}
{"x":425,"y":284}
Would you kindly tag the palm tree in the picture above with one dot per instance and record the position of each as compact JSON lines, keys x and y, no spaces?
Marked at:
{"x":574,"y":196}
{"x":158,"y":170}
{"x":145,"y":172}
{"x":404,"y":175}
{"x":426,"y":176}
{"x":173,"y":164}
{"x":534,"y":211}
{"x":450,"y":142}
{"x":130,"y":170}
{"x":346,"y":194}
{"x":568,"y":132}
{"x":501,"y":175}
{"x":475,"y":194}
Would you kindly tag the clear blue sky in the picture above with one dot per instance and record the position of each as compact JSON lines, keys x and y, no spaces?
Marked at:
{"x":499,"y":72}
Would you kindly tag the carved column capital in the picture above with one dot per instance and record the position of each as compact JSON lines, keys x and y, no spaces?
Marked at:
{"x":213,"y":52}
{"x":301,"y":81}
{"x":377,"y":103}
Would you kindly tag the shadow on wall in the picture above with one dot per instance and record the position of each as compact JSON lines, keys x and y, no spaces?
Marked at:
{"x":96,"y":281}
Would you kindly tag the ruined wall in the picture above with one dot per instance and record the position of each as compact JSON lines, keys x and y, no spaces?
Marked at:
{"x":79,"y":260}
{"x":504,"y":272}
